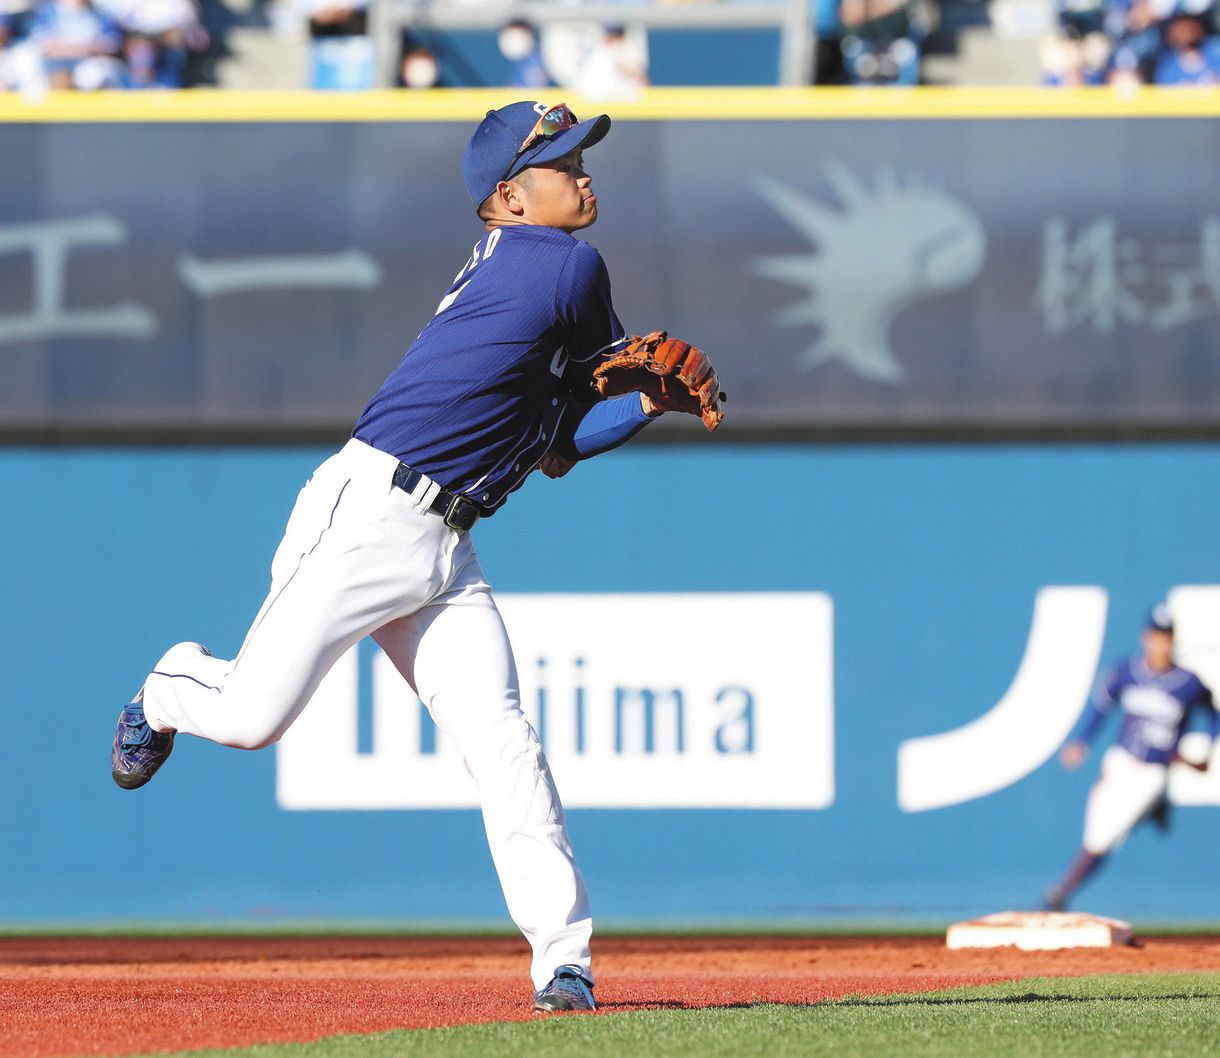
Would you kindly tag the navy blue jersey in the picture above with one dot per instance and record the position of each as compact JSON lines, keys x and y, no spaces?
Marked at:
{"x":501,"y":373}
{"x":1156,"y":707}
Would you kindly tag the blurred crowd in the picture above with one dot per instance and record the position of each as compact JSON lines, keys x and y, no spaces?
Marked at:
{"x":871,"y":42}
{"x":91,"y":44}
{"x":1138,"y":42}
{"x":597,"y":61}
{"x":1166,"y":42}
{"x":137,"y":44}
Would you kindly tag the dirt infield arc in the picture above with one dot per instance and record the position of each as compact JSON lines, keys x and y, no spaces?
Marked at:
{"x":107,"y":996}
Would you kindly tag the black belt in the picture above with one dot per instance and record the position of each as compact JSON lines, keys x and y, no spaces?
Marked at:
{"x":458,"y":512}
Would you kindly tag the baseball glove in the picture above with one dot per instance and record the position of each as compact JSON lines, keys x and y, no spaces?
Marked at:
{"x":671,"y":373}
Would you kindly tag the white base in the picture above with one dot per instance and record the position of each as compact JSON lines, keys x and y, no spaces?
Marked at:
{"x":1039,"y":931}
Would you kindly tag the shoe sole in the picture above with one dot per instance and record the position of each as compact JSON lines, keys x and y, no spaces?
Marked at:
{"x":128,"y":781}
{"x":541,"y":1007}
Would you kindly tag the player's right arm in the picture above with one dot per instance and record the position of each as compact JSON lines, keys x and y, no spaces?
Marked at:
{"x":1101,"y":704}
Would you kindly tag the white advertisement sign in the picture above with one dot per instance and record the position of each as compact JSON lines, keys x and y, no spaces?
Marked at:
{"x":715,"y":700}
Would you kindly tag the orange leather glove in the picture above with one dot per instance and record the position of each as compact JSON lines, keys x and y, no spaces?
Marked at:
{"x":672,"y":373}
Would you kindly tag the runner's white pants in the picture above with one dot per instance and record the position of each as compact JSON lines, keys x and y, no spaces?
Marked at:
{"x":360,"y":557}
{"x":1124,"y":793}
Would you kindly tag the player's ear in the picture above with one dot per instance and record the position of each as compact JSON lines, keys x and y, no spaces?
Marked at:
{"x":508,"y":194}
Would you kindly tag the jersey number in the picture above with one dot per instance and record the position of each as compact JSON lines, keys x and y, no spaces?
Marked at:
{"x":492,"y":239}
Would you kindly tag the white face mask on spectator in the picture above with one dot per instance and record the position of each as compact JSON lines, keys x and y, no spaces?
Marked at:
{"x":420,"y":71}
{"x":97,"y":72}
{"x":516,"y":42}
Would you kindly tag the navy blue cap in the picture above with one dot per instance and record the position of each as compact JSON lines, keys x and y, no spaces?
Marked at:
{"x":490,"y":154}
{"x":1160,"y":619}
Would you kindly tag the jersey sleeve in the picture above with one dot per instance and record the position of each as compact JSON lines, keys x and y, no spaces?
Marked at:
{"x":1204,"y":699}
{"x":585,"y":311}
{"x":1105,"y":695}
{"x":597,"y":428}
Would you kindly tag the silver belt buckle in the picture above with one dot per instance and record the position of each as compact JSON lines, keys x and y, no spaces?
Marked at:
{"x":461,"y":513}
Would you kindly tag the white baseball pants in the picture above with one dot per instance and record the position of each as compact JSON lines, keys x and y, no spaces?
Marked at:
{"x":361,"y":557}
{"x":1126,"y":790}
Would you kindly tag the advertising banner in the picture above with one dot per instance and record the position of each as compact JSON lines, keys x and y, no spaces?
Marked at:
{"x":745,"y":721}
{"x":1036,"y":275}
{"x":850,"y":711}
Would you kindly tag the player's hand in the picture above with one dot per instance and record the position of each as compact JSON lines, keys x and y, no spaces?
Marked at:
{"x":1073,"y":754}
{"x":1198,"y":765}
{"x":651,"y":408}
{"x":553,"y":465}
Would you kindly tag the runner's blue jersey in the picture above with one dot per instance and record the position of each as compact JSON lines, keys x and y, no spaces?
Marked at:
{"x":501,"y":374}
{"x":1156,"y":708}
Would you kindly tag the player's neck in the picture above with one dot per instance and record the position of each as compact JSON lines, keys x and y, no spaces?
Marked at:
{"x":516,"y":222}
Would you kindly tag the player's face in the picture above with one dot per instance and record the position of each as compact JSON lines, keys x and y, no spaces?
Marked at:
{"x":1158,"y":649}
{"x":560,"y":195}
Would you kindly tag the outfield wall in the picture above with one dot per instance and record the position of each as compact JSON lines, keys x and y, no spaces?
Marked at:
{"x":848,"y":603}
{"x":1015,"y":263}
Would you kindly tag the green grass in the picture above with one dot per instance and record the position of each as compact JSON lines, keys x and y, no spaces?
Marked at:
{"x":1112,"y":1016}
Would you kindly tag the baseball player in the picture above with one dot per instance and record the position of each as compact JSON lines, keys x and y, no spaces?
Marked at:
{"x":501,"y":381}
{"x":1156,"y":698}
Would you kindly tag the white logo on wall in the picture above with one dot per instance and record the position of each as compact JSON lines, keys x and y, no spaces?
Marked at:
{"x":1039,"y":710}
{"x":883,"y":250}
{"x":736,"y":712}
{"x":1028,"y":724}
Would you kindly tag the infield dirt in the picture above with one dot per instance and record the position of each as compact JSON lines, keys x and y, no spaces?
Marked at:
{"x":107,"y":996}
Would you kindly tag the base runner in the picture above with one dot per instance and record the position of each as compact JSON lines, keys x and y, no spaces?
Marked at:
{"x":1156,"y":698}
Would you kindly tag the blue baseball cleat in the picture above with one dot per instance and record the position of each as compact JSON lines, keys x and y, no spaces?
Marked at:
{"x":568,"y":990}
{"x":138,"y":750}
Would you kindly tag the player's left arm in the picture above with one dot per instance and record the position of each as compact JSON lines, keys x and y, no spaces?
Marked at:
{"x":592,"y":429}
{"x":592,"y":330}
{"x":1203,"y":699}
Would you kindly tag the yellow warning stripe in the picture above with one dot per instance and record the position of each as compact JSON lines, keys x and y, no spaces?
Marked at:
{"x":656,"y":104}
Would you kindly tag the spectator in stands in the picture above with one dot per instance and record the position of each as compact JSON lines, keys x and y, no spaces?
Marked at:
{"x":69,"y":34}
{"x":1135,"y":28}
{"x":9,"y":29}
{"x":341,"y":50}
{"x":20,"y":61}
{"x":520,"y":45}
{"x":9,"y":22}
{"x":1079,"y":18}
{"x":616,"y":67}
{"x":165,"y":33}
{"x":418,"y":69}
{"x":828,"y":53}
{"x":882,"y":40}
{"x":1071,"y":60}
{"x":1189,"y":56}
{"x":147,"y":65}
{"x":1125,"y":70}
